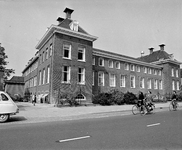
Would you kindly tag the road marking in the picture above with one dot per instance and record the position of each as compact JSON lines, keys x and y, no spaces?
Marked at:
{"x":156,"y":124}
{"x":73,"y":139}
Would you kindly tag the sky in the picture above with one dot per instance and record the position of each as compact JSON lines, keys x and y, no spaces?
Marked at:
{"x":126,"y":27}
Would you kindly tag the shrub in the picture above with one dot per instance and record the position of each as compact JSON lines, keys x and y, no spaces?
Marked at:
{"x":102,"y":99}
{"x":179,"y":97}
{"x":117,"y":97}
{"x":129,"y":98}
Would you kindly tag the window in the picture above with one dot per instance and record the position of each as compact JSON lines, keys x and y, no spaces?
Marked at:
{"x":142,"y":83}
{"x":81,"y":75}
{"x":123,"y":81}
{"x":160,"y":84}
{"x":4,"y":97}
{"x":126,"y":66}
{"x":93,"y":61}
{"x":155,"y":84}
{"x":80,"y":97}
{"x":112,"y":80}
{"x":149,"y":70}
{"x":149,"y":84}
{"x":177,"y":85}
{"x":145,"y":69}
{"x":48,"y":74}
{"x":101,"y":62}
{"x":66,"y":74}
{"x":132,"y":81}
{"x":67,"y":51}
{"x":43,"y":81}
{"x":132,"y":67}
{"x":93,"y":78}
{"x":43,"y":57}
{"x":177,"y":73}
{"x":81,"y":54}
{"x":100,"y":79}
{"x":50,"y":50}
{"x":172,"y":72}
{"x":46,"y":54}
{"x":35,"y":81}
{"x":117,"y":65}
{"x":138,"y":68}
{"x":173,"y":85}
{"x":40,"y":77}
{"x":155,"y":72}
{"x":160,"y":72}
{"x":110,"y":64}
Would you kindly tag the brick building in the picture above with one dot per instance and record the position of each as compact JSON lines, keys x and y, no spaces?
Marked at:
{"x":66,"y":61}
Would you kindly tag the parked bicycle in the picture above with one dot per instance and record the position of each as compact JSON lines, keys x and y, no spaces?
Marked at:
{"x":173,"y":105}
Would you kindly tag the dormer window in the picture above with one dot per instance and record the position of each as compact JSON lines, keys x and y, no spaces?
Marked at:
{"x":74,"y":25}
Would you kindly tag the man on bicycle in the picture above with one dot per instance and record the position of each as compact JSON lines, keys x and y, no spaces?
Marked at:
{"x":148,"y":101}
{"x":140,"y":99}
{"x":174,"y":97}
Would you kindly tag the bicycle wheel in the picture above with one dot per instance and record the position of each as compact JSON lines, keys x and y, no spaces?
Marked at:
{"x":171,"y":107}
{"x":152,"y":108}
{"x":135,"y":110}
{"x":176,"y":106}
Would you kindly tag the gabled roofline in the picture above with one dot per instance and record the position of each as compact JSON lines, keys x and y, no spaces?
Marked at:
{"x":123,"y":58}
{"x":167,"y":61}
{"x":34,"y":59}
{"x":56,"y":29}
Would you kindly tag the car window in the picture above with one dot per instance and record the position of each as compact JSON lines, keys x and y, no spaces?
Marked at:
{"x":3,"y":97}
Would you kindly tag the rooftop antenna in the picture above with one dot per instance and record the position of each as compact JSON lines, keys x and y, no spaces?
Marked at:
{"x":142,"y":52}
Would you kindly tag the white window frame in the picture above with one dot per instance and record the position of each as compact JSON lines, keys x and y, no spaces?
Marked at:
{"x":155,"y":72}
{"x":160,"y":72}
{"x":81,"y":76}
{"x":177,"y":73}
{"x":110,"y":63}
{"x":126,"y":66}
{"x":132,"y":81}
{"x":142,"y":82}
{"x":81,"y":50}
{"x":172,"y":72}
{"x":132,"y":67}
{"x":48,"y":74}
{"x":43,"y":78}
{"x":101,"y":61}
{"x":145,"y":69}
{"x":177,"y":85}
{"x":117,"y":65}
{"x":155,"y":84}
{"x":93,"y":77}
{"x":138,"y":68}
{"x":67,"y":73}
{"x":149,"y":84}
{"x":67,"y":47}
{"x":112,"y":80}
{"x":100,"y":78}
{"x":160,"y":84}
{"x":40,"y":77}
{"x":93,"y":60}
{"x":149,"y":71}
{"x":50,"y":50}
{"x":173,"y":85}
{"x":122,"y":81}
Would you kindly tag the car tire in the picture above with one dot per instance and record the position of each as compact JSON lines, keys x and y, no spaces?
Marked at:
{"x":4,"y":117}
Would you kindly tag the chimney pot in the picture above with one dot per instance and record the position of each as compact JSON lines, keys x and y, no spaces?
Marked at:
{"x":68,"y":12}
{"x":151,"y":49}
{"x":162,"y":47}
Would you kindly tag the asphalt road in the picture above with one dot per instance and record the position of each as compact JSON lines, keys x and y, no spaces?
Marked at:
{"x":159,"y":131}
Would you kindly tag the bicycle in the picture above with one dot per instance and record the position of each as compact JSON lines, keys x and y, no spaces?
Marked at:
{"x":173,"y":105}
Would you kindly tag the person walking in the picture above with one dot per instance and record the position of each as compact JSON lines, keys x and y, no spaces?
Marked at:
{"x":34,"y":99}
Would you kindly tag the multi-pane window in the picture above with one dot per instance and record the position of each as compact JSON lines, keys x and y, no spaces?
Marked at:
{"x":43,"y":81}
{"x":101,"y":61}
{"x":145,"y":69}
{"x":132,"y":81}
{"x":100,"y":79}
{"x":142,"y":82}
{"x":110,"y":64}
{"x":81,"y":75}
{"x":46,"y":54}
{"x":155,"y":72}
{"x":132,"y":67}
{"x":112,"y":80}
{"x":93,"y":61}
{"x":35,"y":81}
{"x":160,"y":84}
{"x":177,"y":73}
{"x":138,"y":68}
{"x":177,"y":85}
{"x":149,"y":70}
{"x":155,"y":84}
{"x":40,"y":77}
{"x":172,"y":72}
{"x":126,"y":66}
{"x":117,"y":65}
{"x":160,"y":72}
{"x":66,"y":74}
{"x":81,"y":54}
{"x":43,"y":57}
{"x":122,"y":81}
{"x":173,"y":85}
{"x":67,"y":51}
{"x":93,"y":77}
{"x":50,"y":50}
{"x":48,"y":74}
{"x":149,"y":84}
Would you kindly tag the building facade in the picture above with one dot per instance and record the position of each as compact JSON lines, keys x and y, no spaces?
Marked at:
{"x":67,"y":62}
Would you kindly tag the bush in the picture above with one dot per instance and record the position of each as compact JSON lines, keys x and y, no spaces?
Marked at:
{"x":129,"y":98}
{"x":102,"y":99}
{"x":117,"y":97}
{"x":179,"y":97}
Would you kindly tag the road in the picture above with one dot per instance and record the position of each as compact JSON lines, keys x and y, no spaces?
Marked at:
{"x":159,"y":131}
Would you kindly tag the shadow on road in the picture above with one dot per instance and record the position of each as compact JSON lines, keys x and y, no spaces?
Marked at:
{"x":16,"y":118}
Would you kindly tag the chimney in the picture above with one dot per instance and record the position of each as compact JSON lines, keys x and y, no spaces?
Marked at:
{"x":162,"y":47}
{"x":151,"y":49}
{"x":60,"y":20}
{"x":68,"y":12}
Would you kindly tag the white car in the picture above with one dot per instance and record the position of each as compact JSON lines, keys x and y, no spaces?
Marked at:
{"x":7,"y":107}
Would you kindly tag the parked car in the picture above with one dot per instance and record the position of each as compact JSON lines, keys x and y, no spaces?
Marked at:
{"x":7,"y":107}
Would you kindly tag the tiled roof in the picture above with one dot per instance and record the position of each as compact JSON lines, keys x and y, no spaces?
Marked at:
{"x":16,"y":79}
{"x":155,"y":56}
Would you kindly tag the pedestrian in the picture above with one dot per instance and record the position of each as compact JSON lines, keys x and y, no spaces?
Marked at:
{"x":174,"y":97}
{"x":34,"y":99}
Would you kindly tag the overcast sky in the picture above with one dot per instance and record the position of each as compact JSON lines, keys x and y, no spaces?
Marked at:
{"x":122,"y":26}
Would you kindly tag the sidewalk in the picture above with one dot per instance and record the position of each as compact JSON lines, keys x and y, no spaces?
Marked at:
{"x":47,"y":112}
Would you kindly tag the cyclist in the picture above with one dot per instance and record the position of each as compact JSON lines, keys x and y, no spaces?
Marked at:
{"x":174,"y":97}
{"x":148,"y":101}
{"x":140,"y":100}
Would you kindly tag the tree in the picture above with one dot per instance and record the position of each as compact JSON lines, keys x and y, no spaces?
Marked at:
{"x":3,"y":63}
